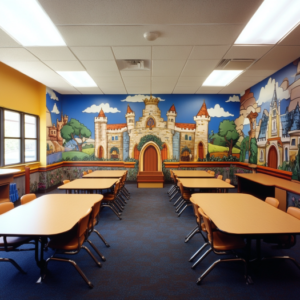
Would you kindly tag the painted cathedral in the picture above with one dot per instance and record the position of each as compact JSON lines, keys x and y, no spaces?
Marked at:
{"x":183,"y":141}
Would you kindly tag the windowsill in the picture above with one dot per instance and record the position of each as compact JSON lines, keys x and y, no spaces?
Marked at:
{"x":23,"y":165}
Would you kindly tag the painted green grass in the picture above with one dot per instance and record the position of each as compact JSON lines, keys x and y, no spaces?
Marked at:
{"x":89,"y":151}
{"x":71,"y":154}
{"x":215,"y":148}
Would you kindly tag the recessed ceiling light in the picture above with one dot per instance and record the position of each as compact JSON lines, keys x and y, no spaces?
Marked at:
{"x":28,"y":24}
{"x":78,"y":79}
{"x":271,"y":22}
{"x":221,"y":77}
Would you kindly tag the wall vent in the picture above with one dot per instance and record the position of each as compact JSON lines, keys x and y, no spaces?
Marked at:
{"x":133,"y":65}
{"x":235,"y":64}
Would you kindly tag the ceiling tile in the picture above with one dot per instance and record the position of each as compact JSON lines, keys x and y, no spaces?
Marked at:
{"x":134,"y":73}
{"x":136,"y":81}
{"x":208,"y":52}
{"x":52,"y":53}
{"x":167,"y":67}
{"x":132,"y":52}
{"x":105,"y":79}
{"x":161,"y":90}
{"x":66,"y":91}
{"x":247,"y":52}
{"x":65,"y":65}
{"x":101,"y":68}
{"x":28,"y":67}
{"x":185,"y":90}
{"x":286,"y":53}
{"x":114,"y":90}
{"x":292,"y":39}
{"x":209,"y":90}
{"x":199,"y":68}
{"x":7,"y":41}
{"x":103,"y":85}
{"x":93,"y":53}
{"x":258,"y":73}
{"x":89,"y":90}
{"x":164,"y":80}
{"x":171,"y":52}
{"x":163,"y":85}
{"x":138,"y":90}
{"x":268,"y":64}
{"x":16,"y":54}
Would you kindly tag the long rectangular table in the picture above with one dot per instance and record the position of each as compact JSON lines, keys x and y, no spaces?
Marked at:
{"x":46,"y":216}
{"x":205,"y":183}
{"x":105,"y":174}
{"x":89,"y":184}
{"x":192,"y":173}
{"x":262,"y":186}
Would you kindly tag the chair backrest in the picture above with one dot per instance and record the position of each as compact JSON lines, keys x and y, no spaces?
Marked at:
{"x":66,"y":181}
{"x":207,"y":224}
{"x":212,"y":173}
{"x":90,"y":171}
{"x":294,"y":211}
{"x":208,"y":171}
{"x":272,"y":201}
{"x":228,"y":180}
{"x":220,"y":177}
{"x":82,"y":224}
{"x":117,"y":187}
{"x":5,"y":207}
{"x":84,"y":173}
{"x":95,"y":213}
{"x":27,"y":198}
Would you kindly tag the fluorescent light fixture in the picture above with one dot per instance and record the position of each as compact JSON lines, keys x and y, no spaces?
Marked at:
{"x":221,"y":77}
{"x":78,"y":79}
{"x":28,"y":24}
{"x":271,"y":22}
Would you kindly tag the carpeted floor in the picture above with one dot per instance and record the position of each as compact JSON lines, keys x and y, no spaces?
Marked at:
{"x":148,"y":259}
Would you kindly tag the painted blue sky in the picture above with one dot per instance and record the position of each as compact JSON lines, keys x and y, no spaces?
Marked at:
{"x":187,"y":106}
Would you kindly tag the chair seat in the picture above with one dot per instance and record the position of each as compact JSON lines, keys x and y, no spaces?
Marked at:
{"x":14,"y":241}
{"x":63,"y":242}
{"x":93,"y":224}
{"x":186,"y":195}
{"x":108,"y":197}
{"x":223,"y":241}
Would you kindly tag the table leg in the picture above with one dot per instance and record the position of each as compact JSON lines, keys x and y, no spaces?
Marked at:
{"x":39,"y":257}
{"x":248,"y":254}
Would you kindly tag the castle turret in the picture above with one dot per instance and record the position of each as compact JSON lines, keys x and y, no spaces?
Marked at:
{"x":201,"y":135}
{"x":100,"y":135}
{"x":171,"y":114}
{"x":130,"y":118}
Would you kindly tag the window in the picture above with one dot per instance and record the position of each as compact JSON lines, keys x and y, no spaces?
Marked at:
{"x":261,"y":155}
{"x":186,"y":137}
{"x":112,"y":138}
{"x":116,"y":138}
{"x":130,"y":121}
{"x":293,"y":142}
{"x":190,"y":138}
{"x":19,"y":137}
{"x":286,"y":154}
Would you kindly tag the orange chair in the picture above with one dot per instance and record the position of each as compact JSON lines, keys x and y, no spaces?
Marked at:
{"x":84,"y":173}
{"x":272,"y":201}
{"x":228,"y":180}
{"x":27,"y":198}
{"x":220,"y":177}
{"x":66,"y":181}
{"x":212,"y":173}
{"x":90,"y":171}
{"x":186,"y":195}
{"x":221,"y":243}
{"x":71,"y":243}
{"x":9,"y":244}
{"x":109,"y":200}
{"x":171,"y":189}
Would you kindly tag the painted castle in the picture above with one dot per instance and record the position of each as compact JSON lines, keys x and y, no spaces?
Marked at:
{"x":185,"y":141}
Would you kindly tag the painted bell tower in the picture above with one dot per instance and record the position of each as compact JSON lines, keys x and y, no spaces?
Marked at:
{"x":171,"y":115}
{"x":100,"y":135}
{"x":130,"y":118}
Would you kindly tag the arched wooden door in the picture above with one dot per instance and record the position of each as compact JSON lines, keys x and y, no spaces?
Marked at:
{"x":164,"y":152}
{"x":272,"y":158}
{"x":100,"y":152}
{"x":150,"y":159}
{"x":136,"y":153}
{"x":200,"y":150}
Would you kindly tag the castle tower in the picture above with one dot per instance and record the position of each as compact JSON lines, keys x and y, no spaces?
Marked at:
{"x":100,"y":135}
{"x":130,"y":118}
{"x":171,"y":114}
{"x":201,"y":135}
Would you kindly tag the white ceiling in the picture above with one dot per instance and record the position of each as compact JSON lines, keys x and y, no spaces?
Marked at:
{"x":194,"y":36}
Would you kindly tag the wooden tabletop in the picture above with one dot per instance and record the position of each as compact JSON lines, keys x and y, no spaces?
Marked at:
{"x":272,"y":181}
{"x":89,"y":184}
{"x":47,"y":215}
{"x":203,"y":183}
{"x":192,"y":173}
{"x":105,"y":174}
{"x":245,"y":214}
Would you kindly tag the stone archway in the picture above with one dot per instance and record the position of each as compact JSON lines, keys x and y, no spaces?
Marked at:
{"x":149,"y":153}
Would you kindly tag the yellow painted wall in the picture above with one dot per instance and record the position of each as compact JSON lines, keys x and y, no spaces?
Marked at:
{"x":19,"y":92}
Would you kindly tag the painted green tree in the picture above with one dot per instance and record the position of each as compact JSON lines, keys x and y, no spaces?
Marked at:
{"x":74,"y":130}
{"x":253,"y":152}
{"x":296,"y":171}
{"x":244,"y":147}
{"x":227,"y":135}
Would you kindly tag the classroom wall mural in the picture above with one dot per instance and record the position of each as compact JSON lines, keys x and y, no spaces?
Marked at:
{"x":270,"y":121}
{"x":116,"y":127}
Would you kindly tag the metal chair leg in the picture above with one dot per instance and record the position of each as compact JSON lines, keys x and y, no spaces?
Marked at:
{"x":101,"y":237}
{"x":13,"y":263}
{"x":201,"y":258}
{"x":180,"y":198}
{"x":191,"y":232}
{"x":179,"y":214}
{"x":191,"y":235}
{"x":178,"y":207}
{"x":96,"y":250}
{"x":198,"y":251}
{"x":174,"y":195}
{"x":98,"y":263}
{"x":115,"y":212}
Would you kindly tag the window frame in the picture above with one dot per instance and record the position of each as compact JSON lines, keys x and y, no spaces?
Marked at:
{"x":21,"y":138}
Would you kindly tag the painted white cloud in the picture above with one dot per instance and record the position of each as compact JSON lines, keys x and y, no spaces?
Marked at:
{"x":96,"y":108}
{"x":55,"y":109}
{"x":246,"y":121}
{"x":138,"y":98}
{"x":266,"y":92}
{"x":219,"y":111}
{"x":52,"y":94}
{"x":234,"y":98}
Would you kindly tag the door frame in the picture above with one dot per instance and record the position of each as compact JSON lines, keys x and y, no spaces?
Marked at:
{"x":277,"y":153}
{"x":141,"y":160}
